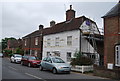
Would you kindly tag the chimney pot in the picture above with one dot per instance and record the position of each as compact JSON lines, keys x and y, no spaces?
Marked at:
{"x":70,"y":7}
{"x":52,"y":23}
{"x":70,"y":14}
{"x":41,"y":27}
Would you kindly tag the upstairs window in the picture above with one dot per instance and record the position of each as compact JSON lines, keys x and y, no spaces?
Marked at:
{"x":57,"y":41}
{"x":25,"y":42}
{"x":69,"y":40}
{"x":36,"y":41}
{"x":48,"y":42}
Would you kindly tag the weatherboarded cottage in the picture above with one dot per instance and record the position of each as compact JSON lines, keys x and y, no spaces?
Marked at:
{"x":75,"y":34}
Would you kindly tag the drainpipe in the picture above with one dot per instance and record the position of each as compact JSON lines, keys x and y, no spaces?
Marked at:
{"x":80,"y":42}
{"x":30,"y":45}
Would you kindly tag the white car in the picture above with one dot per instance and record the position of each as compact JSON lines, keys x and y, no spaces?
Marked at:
{"x":16,"y":58}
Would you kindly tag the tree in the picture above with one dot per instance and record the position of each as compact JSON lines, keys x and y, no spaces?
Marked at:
{"x":4,"y":42}
{"x":19,"y":51}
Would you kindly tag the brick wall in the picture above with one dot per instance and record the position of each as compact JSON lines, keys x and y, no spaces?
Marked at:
{"x":31,"y":45}
{"x":111,"y":37}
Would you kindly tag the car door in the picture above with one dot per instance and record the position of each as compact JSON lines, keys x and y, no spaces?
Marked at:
{"x":24,"y":59}
{"x":49,"y":64}
{"x":43,"y":63}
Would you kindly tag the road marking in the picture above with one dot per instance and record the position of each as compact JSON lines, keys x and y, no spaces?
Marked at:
{"x":34,"y":76}
{"x":12,"y":68}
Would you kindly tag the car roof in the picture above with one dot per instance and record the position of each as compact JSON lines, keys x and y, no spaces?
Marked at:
{"x":29,"y":55}
{"x":53,"y":56}
{"x":17,"y":54}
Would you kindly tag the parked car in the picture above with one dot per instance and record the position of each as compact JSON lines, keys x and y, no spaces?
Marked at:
{"x":16,"y":58}
{"x":30,"y":61}
{"x":1,"y":55}
{"x":55,"y":64}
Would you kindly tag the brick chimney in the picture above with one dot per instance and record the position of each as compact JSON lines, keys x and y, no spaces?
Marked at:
{"x":52,"y":23}
{"x":70,"y":14}
{"x":41,"y":27}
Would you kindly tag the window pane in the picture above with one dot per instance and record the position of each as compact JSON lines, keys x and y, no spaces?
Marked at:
{"x":48,"y":42}
{"x":68,"y":56}
{"x":69,"y":40}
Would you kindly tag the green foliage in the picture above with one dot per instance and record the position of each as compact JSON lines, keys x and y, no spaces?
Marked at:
{"x":4,"y":42}
{"x":77,"y":54}
{"x":7,"y":52}
{"x":19,"y":51}
{"x":80,"y":60}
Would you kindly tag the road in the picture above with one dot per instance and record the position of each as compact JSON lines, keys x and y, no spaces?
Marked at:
{"x":17,"y":71}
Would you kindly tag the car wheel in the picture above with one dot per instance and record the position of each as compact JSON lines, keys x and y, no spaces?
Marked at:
{"x":11,"y":61}
{"x":69,"y":72}
{"x":54,"y":71}
{"x":21,"y":63}
{"x":29,"y":64}
{"x":40,"y":68}
{"x":14,"y":61}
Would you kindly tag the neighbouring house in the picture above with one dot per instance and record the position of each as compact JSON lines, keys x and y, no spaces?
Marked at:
{"x":13,"y":44}
{"x":112,"y":37}
{"x":75,"y":34}
{"x":111,"y":68}
{"x":32,"y":43}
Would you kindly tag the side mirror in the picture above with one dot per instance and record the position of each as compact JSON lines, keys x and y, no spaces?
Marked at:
{"x":50,"y":61}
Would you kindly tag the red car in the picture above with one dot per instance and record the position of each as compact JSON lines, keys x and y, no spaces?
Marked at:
{"x":30,"y":61}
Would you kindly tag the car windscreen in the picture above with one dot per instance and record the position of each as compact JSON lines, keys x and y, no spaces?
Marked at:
{"x":57,"y":60}
{"x":33,"y":58}
{"x":19,"y":56}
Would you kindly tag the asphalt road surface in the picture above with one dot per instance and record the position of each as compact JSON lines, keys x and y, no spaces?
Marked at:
{"x":17,"y":71}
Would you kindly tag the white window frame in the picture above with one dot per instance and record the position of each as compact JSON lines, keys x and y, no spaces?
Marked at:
{"x":69,"y":40}
{"x":36,"y":52}
{"x":57,"y":41}
{"x":67,"y":56}
{"x":48,"y":54}
{"x":25,"y":42}
{"x":48,"y":42}
{"x":36,"y":40}
{"x":117,"y":55}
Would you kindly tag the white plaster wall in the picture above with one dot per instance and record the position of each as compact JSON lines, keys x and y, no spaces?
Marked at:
{"x":63,"y":48}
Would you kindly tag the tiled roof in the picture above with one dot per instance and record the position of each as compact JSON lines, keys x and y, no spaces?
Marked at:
{"x":35,"y":33}
{"x":73,"y":24}
{"x":115,"y":11}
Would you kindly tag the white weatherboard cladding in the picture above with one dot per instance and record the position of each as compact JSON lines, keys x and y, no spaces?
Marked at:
{"x":86,"y":46}
{"x":63,"y":48}
{"x":86,"y":29}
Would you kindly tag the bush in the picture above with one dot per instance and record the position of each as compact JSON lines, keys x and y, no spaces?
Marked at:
{"x":80,"y":60}
{"x":19,"y":51}
{"x":7,"y":52}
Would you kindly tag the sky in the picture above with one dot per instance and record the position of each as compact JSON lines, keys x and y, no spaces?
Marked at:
{"x":19,"y":18}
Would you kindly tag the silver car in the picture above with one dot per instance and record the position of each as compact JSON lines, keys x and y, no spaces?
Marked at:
{"x":55,"y":64}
